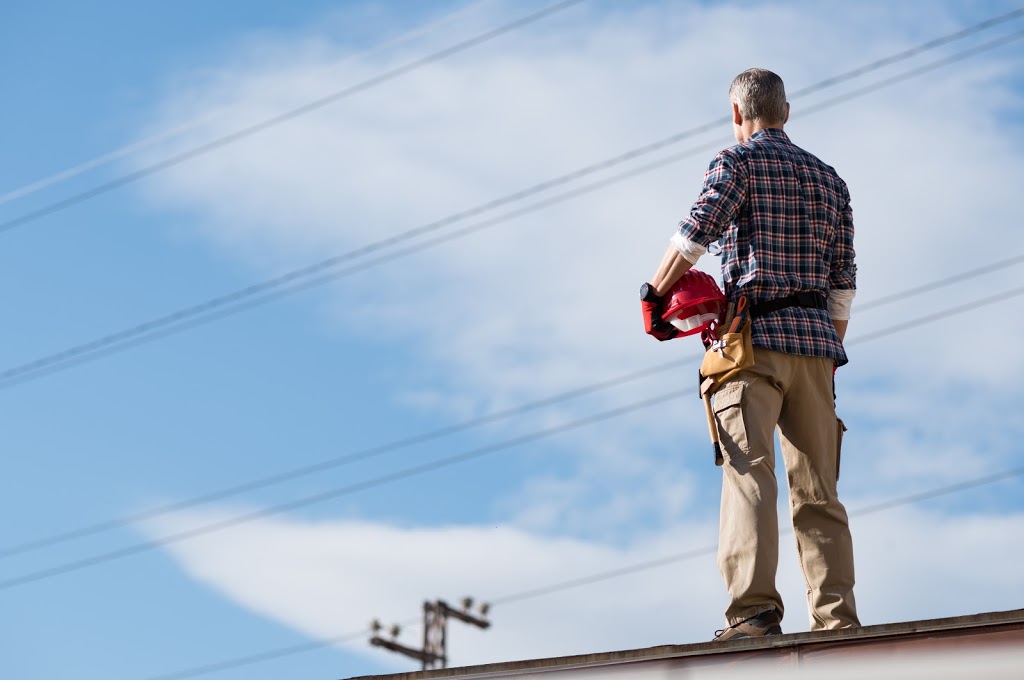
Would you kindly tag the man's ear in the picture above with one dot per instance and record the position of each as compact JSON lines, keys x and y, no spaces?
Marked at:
{"x":786,"y":117}
{"x":737,"y":117}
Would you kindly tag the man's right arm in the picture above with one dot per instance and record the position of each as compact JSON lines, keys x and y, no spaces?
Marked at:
{"x":841,"y":325}
{"x":843,"y":275}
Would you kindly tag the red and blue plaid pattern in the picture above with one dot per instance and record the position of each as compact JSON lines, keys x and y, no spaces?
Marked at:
{"x":785,"y":226}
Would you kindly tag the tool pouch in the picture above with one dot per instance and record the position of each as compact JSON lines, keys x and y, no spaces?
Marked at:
{"x":725,"y":358}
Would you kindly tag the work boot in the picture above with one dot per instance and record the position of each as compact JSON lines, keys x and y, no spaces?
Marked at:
{"x":765,"y":623}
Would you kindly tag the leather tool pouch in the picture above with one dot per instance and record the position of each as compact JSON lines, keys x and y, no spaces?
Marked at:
{"x":725,"y":358}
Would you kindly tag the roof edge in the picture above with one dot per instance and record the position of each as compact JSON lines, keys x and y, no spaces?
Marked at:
{"x":662,"y":652}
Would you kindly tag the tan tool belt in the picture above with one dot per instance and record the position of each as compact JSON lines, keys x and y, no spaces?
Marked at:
{"x":730,"y":354}
{"x":725,"y":357}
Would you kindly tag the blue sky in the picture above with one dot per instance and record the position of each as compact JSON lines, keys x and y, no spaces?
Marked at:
{"x":531,"y":307}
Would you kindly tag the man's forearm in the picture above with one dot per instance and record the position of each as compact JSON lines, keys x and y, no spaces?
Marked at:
{"x":841,"y":325}
{"x":672,"y":267}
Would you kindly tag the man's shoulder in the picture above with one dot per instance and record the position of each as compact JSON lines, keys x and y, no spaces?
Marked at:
{"x":785,"y":145}
{"x":809,"y":157}
{"x":774,"y":147}
{"x":730,"y":159}
{"x":760,"y":145}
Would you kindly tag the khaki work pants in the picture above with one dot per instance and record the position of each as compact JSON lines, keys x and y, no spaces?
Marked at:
{"x":794,"y":393}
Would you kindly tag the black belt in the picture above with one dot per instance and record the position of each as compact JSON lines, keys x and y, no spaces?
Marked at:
{"x":805,"y":299}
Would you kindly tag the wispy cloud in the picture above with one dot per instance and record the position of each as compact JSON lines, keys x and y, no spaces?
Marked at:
{"x":329,"y":578}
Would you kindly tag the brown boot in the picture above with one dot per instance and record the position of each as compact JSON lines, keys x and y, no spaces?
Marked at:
{"x":765,"y":623}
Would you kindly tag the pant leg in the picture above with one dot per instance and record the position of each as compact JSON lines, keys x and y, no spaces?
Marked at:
{"x":810,"y":437}
{"x":747,"y":409}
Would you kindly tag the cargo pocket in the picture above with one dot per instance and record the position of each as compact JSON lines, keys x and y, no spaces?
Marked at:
{"x":732,"y":427}
{"x":841,"y":427}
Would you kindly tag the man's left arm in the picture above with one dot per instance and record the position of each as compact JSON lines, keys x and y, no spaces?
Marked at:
{"x":715,"y":209}
{"x":673,"y":265}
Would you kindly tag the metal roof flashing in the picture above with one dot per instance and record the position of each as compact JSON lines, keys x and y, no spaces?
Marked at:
{"x":961,"y":632}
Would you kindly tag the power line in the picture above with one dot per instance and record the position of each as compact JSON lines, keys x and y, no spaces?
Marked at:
{"x":541,"y":591}
{"x":430,"y":435}
{"x":146,"y":142}
{"x":244,"y":133}
{"x":942,"y":283}
{"x":138,"y":145}
{"x":337,"y":492}
{"x":287,"y":284}
{"x":437,"y":464}
{"x":939,"y":316}
{"x":913,"y":73}
{"x":919,"y":49}
{"x":339,"y":461}
{"x":328,"y":270}
{"x":712,"y":549}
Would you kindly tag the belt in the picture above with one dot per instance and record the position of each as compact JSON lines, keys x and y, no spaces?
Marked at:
{"x":803,"y":299}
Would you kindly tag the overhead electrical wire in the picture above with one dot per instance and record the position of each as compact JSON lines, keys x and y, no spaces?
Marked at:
{"x":590,"y":579}
{"x":983,"y":270}
{"x":330,"y":269}
{"x":251,"y":130}
{"x":311,"y":106}
{"x":151,"y":140}
{"x":338,"y":492}
{"x":288,"y":284}
{"x":337,"y":461}
{"x":923,"y":47}
{"x":430,"y":435}
{"x":674,"y":558}
{"x":940,"y":315}
{"x":439,"y":463}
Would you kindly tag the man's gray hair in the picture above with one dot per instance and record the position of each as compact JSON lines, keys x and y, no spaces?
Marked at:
{"x":761,"y":96}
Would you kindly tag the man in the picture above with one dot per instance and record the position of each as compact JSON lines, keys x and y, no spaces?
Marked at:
{"x":785,"y":228}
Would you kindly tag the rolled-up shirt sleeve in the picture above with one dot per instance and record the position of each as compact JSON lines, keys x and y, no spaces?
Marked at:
{"x":719,"y":201}
{"x":843,"y":272}
{"x":687,"y":248}
{"x":839,"y":303}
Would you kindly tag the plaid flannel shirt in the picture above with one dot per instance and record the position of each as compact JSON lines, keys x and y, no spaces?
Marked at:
{"x":785,"y":225}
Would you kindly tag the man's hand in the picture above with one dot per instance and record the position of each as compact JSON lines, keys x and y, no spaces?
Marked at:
{"x":653,"y":325}
{"x":651,"y":305}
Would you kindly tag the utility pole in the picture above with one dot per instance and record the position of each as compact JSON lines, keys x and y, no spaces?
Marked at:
{"x":434,"y":653}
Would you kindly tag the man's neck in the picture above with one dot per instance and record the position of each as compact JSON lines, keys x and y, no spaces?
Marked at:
{"x":749,"y":129}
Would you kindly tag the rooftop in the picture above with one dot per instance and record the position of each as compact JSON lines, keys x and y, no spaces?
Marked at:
{"x":989,"y":646}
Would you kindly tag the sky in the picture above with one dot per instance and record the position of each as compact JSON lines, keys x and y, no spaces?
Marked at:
{"x":460,"y":400}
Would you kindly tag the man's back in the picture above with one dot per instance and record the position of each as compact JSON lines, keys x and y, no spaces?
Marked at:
{"x":785,"y":228}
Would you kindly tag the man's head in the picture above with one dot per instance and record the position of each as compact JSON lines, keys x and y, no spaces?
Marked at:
{"x":758,"y":99}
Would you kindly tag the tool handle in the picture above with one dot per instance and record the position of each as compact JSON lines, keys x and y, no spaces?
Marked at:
{"x":740,"y":316}
{"x":713,"y":430}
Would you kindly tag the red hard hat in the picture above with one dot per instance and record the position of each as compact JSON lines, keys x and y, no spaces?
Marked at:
{"x":694,"y":303}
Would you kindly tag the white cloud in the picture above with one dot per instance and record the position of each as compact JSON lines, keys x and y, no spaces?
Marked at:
{"x":329,"y":578}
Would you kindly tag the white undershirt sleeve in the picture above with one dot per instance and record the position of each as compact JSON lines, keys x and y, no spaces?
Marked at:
{"x":687,"y":248}
{"x":839,"y":303}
